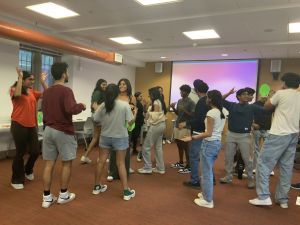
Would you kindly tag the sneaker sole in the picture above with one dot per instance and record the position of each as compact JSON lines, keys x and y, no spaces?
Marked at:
{"x":127,"y":198}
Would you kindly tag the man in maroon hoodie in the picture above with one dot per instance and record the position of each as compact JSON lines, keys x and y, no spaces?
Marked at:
{"x":58,"y":106}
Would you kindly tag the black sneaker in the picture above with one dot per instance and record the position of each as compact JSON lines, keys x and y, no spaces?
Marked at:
{"x":192,"y":185}
{"x":177,"y":165}
{"x":296,"y":186}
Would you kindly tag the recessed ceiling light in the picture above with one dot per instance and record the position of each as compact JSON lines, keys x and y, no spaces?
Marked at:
{"x":163,"y":57}
{"x":52,"y":10}
{"x":294,"y":27}
{"x":126,"y":40}
{"x":224,"y":55}
{"x":156,"y":2}
{"x":201,"y":34}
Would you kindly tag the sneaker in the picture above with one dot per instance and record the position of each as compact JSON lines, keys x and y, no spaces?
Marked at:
{"x":99,"y":189}
{"x":296,"y":186}
{"x":177,"y":165}
{"x":203,"y":203}
{"x":283,"y":205}
{"x":107,"y":160}
{"x":251,"y":184}
{"x":48,"y":200}
{"x":139,"y":157}
{"x":272,"y":173}
{"x":65,"y":197}
{"x":245,"y":175}
{"x":17,"y":186}
{"x":200,"y":195}
{"x":168,"y":141}
{"x":131,"y":170}
{"x":155,"y":170}
{"x":163,"y":142}
{"x":260,"y":202}
{"x":144,"y":171}
{"x":128,"y":194}
{"x":110,"y":178}
{"x":29,"y":176}
{"x":85,"y":160}
{"x":225,"y":180}
{"x":184,"y":170}
{"x":195,"y":185}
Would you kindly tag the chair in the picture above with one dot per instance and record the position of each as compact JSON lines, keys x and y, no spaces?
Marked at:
{"x":86,"y":131}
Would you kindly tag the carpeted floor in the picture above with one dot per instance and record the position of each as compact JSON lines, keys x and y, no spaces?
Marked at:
{"x":160,"y":200}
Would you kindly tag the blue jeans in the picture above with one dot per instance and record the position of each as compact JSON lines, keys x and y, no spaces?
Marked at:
{"x":257,"y":136}
{"x":194,"y":155}
{"x":209,"y":154}
{"x":276,"y":150}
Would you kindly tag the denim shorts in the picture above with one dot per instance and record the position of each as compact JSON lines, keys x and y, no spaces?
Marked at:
{"x":114,"y":143}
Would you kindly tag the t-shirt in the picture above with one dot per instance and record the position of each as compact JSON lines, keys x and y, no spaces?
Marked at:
{"x":218,"y":123}
{"x":114,"y":123}
{"x":24,"y":108}
{"x":97,"y":96}
{"x":156,"y":117}
{"x":58,"y":106}
{"x":287,"y":112}
{"x":194,"y":96}
{"x":184,"y":104}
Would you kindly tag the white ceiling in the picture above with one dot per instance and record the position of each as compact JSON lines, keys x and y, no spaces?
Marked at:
{"x":248,"y":28}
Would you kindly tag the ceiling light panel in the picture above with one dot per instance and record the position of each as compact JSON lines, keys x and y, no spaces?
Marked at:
{"x":126,"y":40}
{"x":294,"y":27}
{"x":52,"y":10}
{"x":156,"y":2}
{"x":201,"y":34}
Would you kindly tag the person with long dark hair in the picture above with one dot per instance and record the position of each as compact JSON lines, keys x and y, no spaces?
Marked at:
{"x":98,"y":97}
{"x":156,"y":120}
{"x":138,"y":124}
{"x":24,"y":126}
{"x":125,"y":94}
{"x":211,"y":146}
{"x":114,"y":137}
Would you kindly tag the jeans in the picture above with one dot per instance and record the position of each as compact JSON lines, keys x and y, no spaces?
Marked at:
{"x":258,"y":135}
{"x":194,"y":154}
{"x":276,"y":150}
{"x":154,"y":138}
{"x":208,"y":155}
{"x":24,"y":138}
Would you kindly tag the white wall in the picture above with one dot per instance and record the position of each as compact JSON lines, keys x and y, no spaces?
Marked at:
{"x":84,"y":75}
{"x":9,"y":54}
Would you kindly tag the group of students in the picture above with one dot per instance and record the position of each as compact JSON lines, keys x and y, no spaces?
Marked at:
{"x":199,"y":124}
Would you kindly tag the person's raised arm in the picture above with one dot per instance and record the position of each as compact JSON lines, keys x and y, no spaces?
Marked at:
{"x":18,"y":89}
{"x":232,"y":91}
{"x":43,"y":77}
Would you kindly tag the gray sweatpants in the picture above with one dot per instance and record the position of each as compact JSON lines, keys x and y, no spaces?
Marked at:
{"x":242,"y":141}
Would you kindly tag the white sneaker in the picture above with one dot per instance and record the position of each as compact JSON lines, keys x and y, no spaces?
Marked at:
{"x":203,"y":203}
{"x":264,"y":202}
{"x":17,"y":186}
{"x":48,"y":200}
{"x":109,"y":178}
{"x":131,"y":170}
{"x":200,"y":195}
{"x":284,"y":205}
{"x":65,"y":197}
{"x":168,"y":141}
{"x":85,"y":159}
{"x":128,"y":194}
{"x":163,"y":142}
{"x":144,"y":171}
{"x":29,"y":176}
{"x":272,"y":173}
{"x":155,"y":170}
{"x":99,"y":189}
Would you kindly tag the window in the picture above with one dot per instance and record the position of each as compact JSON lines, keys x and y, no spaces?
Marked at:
{"x":47,"y":61}
{"x":25,"y":60}
{"x":36,"y":60}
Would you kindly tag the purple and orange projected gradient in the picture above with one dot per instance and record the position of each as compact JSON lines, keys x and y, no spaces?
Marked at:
{"x":220,"y":75}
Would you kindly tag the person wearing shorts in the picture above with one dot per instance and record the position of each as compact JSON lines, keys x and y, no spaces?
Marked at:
{"x":58,"y":106}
